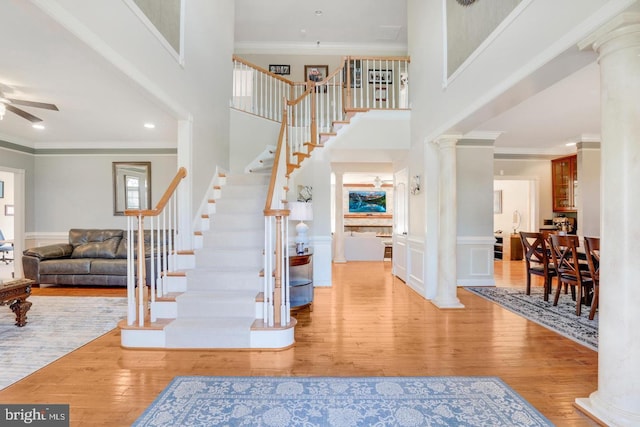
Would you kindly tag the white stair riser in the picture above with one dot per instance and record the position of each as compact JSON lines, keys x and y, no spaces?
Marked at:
{"x":164,"y":309}
{"x":176,"y":283}
{"x":244,"y":192}
{"x":186,"y":261}
{"x":229,"y":258}
{"x":236,"y":221}
{"x":233,"y":240}
{"x":210,"y":308}
{"x":239,"y":205}
{"x":245,"y":179}
{"x":223,"y":281}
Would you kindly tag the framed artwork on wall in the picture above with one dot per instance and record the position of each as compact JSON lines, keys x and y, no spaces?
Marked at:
{"x":1,"y":189}
{"x":497,"y":201}
{"x":316,"y":73}
{"x":381,"y":93}
{"x":380,"y":77}
{"x":280,"y":69}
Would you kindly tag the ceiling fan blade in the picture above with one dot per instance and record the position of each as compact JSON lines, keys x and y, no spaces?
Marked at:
{"x":23,"y":114}
{"x":33,"y":104}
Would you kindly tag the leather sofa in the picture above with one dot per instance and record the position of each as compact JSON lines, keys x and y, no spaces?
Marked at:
{"x":94,"y":257}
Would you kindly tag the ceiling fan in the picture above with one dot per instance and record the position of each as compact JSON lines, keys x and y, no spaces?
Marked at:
{"x":9,"y":104}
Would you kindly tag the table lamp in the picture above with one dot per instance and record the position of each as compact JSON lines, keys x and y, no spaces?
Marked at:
{"x":301,"y":211}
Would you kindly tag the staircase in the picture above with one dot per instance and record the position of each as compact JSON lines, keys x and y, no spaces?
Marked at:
{"x":231,"y":291}
{"x":218,"y":302}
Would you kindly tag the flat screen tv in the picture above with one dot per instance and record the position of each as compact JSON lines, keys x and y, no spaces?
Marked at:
{"x":367,"y":201}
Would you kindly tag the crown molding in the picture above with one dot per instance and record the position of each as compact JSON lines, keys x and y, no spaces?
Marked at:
{"x":313,"y":48}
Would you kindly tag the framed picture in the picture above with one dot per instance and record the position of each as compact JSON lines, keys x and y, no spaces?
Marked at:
{"x":316,"y":73}
{"x":280,"y":69}
{"x":381,"y":76}
{"x":497,"y":201}
{"x":8,"y":210}
{"x":1,"y":189}
{"x":355,"y":72}
{"x":380,"y":93}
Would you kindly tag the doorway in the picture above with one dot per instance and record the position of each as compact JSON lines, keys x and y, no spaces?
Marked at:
{"x":12,"y":218}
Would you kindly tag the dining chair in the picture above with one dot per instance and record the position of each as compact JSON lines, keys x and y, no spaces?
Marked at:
{"x":536,"y":256}
{"x":5,"y":248}
{"x":565,"y":257}
{"x":592,"y":251}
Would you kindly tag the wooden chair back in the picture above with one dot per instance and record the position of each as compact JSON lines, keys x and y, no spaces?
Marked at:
{"x":592,"y":249}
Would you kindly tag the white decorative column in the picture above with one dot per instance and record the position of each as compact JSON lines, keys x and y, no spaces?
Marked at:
{"x":446,"y":294}
{"x":338,"y":256}
{"x":617,"y":400}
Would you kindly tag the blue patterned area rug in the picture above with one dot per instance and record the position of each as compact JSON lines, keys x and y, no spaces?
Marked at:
{"x":55,"y":326}
{"x":561,"y":319}
{"x":345,"y":401}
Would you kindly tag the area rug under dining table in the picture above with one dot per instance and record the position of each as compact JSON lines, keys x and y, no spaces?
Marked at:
{"x":561,"y":319}
{"x":339,"y":401}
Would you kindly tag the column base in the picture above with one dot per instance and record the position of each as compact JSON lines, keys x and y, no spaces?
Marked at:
{"x":447,"y":303}
{"x":597,"y":410}
{"x":340,"y":260}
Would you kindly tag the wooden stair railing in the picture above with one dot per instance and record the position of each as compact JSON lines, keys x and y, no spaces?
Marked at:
{"x":161,"y":250}
{"x":276,"y":305}
{"x":359,"y":84}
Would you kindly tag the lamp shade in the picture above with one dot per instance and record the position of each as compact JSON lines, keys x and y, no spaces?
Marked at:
{"x":301,"y":211}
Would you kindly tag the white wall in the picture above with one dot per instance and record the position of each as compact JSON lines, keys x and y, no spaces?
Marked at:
{"x":249,"y":135}
{"x":76,"y":191}
{"x":515,"y":196}
{"x":196,"y":91}
{"x":536,"y":170}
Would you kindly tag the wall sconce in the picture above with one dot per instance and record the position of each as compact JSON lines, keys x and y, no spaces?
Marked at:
{"x":415,"y":184}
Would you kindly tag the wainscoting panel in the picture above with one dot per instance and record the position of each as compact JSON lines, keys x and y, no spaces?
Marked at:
{"x":416,"y":266}
{"x":322,"y":260}
{"x":475,"y":261}
{"x":400,"y":257}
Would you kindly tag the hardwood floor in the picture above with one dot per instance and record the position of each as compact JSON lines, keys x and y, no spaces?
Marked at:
{"x":368,"y":324}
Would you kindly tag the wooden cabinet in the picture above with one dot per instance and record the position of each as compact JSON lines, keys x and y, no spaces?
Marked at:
{"x":564,"y":180}
{"x":301,"y":280}
{"x":515,"y":252}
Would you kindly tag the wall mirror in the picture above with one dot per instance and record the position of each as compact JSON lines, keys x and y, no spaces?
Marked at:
{"x":131,"y":186}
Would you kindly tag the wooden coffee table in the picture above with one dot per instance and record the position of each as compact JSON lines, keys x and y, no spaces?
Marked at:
{"x":14,"y":293}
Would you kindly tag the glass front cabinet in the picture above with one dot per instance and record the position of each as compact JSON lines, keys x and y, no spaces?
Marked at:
{"x":564,"y":175}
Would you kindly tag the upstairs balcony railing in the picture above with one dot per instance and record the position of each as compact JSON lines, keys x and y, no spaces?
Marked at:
{"x":360,"y":83}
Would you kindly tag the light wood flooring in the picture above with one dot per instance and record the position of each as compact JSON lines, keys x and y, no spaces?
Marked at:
{"x":368,"y":324}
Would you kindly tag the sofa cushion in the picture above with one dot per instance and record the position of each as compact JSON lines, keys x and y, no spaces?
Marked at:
{"x":94,"y":243}
{"x":110,"y":267}
{"x":65,"y":266}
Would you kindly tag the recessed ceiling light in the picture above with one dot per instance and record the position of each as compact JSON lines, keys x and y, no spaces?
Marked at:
{"x":149,"y":125}
{"x":569,"y":144}
{"x":318,"y":12}
{"x":38,"y":126}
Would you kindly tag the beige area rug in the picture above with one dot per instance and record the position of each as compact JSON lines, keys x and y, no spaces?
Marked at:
{"x":55,"y":326}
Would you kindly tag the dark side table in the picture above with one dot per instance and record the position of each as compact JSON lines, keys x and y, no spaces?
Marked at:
{"x":301,"y":281}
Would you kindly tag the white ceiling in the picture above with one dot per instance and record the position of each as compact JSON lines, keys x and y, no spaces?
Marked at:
{"x":100,"y":107}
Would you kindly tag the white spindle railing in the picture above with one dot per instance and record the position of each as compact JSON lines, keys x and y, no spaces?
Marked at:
{"x":155,"y":246}
{"x":259,"y":92}
{"x":377,"y":82}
